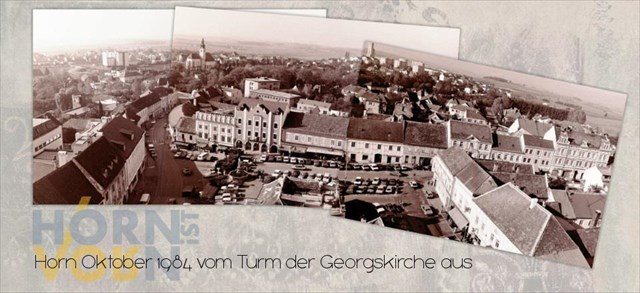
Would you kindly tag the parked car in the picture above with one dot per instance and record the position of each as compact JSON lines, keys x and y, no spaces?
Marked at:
{"x":375,"y":181}
{"x":325,"y":164}
{"x":360,"y":189}
{"x":299,"y":167}
{"x":279,"y":158}
{"x":405,"y":168}
{"x":293,"y":160}
{"x":333,"y":164}
{"x":174,"y":148}
{"x":263,"y":158}
{"x":414,"y":184}
{"x":380,"y":189}
{"x":374,"y":167}
{"x":357,"y":167}
{"x":392,"y":181}
{"x":389,"y":189}
{"x":317,"y":163}
{"x":286,"y":159}
{"x":144,"y":199}
{"x":366,"y":168}
{"x":177,"y":154}
{"x":357,"y":181}
{"x":371,"y":190}
{"x":203,"y":156}
{"x":186,"y":172}
{"x":302,"y":161}
{"x":276,"y":173}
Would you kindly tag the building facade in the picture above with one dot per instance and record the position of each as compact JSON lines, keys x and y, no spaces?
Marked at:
{"x":251,"y":84}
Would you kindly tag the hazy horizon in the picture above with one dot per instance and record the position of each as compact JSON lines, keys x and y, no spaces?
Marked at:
{"x":87,"y":29}
{"x":323,"y":32}
{"x":613,"y":101}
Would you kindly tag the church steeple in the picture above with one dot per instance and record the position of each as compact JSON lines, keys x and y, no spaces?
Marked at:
{"x":202,"y":51}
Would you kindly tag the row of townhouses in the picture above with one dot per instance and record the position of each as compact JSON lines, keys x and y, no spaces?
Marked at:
{"x":268,"y":124}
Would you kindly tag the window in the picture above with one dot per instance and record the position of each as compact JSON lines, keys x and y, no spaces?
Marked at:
{"x":366,"y":145}
{"x":264,"y":124}
{"x":257,"y":123}
{"x":390,"y":148}
{"x":239,"y":131}
{"x":309,"y":139}
{"x":295,"y":137}
{"x":275,"y":125}
{"x":249,"y":133}
{"x":332,"y":142}
{"x":379,"y":146}
{"x":239,"y":120}
{"x":399,"y":148}
{"x":275,"y":136}
{"x":365,"y":157}
{"x":249,"y":122}
{"x":353,"y":144}
{"x":339,"y":143}
{"x":264,"y":135}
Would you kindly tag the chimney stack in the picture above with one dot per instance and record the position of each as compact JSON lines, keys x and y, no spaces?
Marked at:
{"x":596,"y":219}
{"x":533,"y":203}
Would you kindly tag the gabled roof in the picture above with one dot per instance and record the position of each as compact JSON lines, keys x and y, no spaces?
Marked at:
{"x":585,"y":205}
{"x":186,"y":125}
{"x":503,"y":166}
{"x":45,"y":127}
{"x":513,"y":213}
{"x":475,"y":114}
{"x":476,"y":179}
{"x":507,"y":143}
{"x":426,"y":134}
{"x":316,"y":124}
{"x":124,"y":134}
{"x":274,"y":93}
{"x":102,"y":161}
{"x":80,"y":124}
{"x":65,"y":185}
{"x":533,"y":185}
{"x":533,"y":127}
{"x":531,"y":228}
{"x":143,"y":102}
{"x":271,"y":106}
{"x":563,"y":204}
{"x":464,"y":130}
{"x":375,"y":130}
{"x":537,"y":142}
{"x":320,"y":104}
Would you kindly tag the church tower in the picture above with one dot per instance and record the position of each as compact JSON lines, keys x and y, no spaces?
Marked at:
{"x":202,"y":51}
{"x":371,"y":51}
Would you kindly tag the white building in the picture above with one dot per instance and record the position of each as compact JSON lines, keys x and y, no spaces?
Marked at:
{"x":251,"y":84}
{"x":259,"y":124}
{"x":375,"y":141}
{"x":317,"y":134}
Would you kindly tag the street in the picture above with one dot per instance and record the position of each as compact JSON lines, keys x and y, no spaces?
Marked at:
{"x":162,"y":177}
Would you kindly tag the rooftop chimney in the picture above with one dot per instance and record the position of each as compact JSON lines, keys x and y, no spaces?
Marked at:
{"x":533,"y":203}
{"x":596,"y":219}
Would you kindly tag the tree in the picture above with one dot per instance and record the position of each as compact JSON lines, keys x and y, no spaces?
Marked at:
{"x":577,"y":115}
{"x":188,"y":109}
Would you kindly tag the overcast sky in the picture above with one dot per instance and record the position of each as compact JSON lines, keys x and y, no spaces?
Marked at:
{"x":61,"y":29}
{"x":228,"y":25}
{"x":71,"y":29}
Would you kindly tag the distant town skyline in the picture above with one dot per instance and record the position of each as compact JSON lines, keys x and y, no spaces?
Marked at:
{"x":606,"y":99}
{"x":213,"y":24}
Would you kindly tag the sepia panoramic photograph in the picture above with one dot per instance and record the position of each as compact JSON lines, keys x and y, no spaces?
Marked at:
{"x":116,"y":110}
{"x":513,"y":162}
{"x":200,"y":112}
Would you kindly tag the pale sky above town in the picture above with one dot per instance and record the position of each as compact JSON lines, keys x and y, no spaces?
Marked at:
{"x":228,"y":25}
{"x":69,"y":29}
{"x":72,"y":29}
